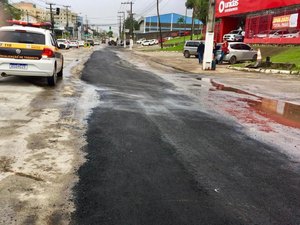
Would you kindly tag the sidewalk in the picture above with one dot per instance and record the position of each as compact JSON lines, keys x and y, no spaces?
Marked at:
{"x":280,"y":87}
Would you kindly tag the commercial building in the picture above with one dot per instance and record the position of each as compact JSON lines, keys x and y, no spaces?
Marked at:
{"x":172,"y":24}
{"x":271,"y":22}
{"x":32,"y":13}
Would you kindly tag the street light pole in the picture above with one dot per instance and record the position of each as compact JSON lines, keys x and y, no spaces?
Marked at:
{"x":51,"y":16}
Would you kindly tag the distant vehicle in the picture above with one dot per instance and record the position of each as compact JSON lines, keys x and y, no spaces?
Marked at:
{"x":147,"y":43}
{"x":234,"y":35}
{"x":30,"y":51}
{"x":238,"y":52}
{"x":96,"y":43}
{"x":262,"y":34}
{"x":63,"y":43}
{"x":190,"y":48}
{"x":183,"y":33}
{"x":81,"y":43}
{"x":74,"y":44}
{"x":271,"y":34}
{"x":112,"y":42}
{"x":278,"y":33}
{"x":292,"y":34}
{"x":162,"y":40}
{"x":90,"y":42}
{"x":154,"y":41}
{"x":140,"y":40}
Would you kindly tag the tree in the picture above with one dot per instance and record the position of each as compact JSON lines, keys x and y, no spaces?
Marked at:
{"x":180,"y":20}
{"x":136,"y":25}
{"x":200,"y":11}
{"x":194,"y":5}
{"x":8,"y":12}
{"x":110,"y":33}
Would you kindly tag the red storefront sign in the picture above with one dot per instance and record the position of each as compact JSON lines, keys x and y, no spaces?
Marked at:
{"x":233,"y":7}
{"x":286,"y":21}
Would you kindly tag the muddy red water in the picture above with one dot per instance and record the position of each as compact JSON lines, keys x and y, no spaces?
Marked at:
{"x":284,"y":113}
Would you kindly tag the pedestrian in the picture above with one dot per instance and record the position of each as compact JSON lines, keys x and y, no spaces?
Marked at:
{"x":224,"y":51}
{"x":200,"y":51}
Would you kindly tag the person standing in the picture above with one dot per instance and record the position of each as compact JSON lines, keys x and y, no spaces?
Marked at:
{"x":200,"y":51}
{"x":224,"y":50}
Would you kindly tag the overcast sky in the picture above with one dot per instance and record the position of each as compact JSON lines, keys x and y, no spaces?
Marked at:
{"x":106,"y":11}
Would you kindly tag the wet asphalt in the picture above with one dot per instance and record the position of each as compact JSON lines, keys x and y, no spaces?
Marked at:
{"x":154,"y":158}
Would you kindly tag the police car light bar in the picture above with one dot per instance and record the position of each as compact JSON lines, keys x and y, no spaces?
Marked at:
{"x":27,"y":24}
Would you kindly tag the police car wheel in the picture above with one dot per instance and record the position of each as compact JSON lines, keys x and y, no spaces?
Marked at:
{"x":52,"y":80}
{"x":61,"y":72}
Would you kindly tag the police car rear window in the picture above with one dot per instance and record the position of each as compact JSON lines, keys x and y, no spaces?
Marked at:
{"x":22,"y":37}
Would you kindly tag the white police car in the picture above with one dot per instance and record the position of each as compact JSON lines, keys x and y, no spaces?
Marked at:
{"x":28,"y":50}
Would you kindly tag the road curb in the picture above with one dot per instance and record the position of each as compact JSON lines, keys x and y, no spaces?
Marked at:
{"x":266,"y":71}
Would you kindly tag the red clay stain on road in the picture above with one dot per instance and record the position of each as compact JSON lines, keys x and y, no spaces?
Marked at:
{"x":284,"y":113}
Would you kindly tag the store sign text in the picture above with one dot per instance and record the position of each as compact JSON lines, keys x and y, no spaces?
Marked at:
{"x":286,"y":21}
{"x":225,"y":7}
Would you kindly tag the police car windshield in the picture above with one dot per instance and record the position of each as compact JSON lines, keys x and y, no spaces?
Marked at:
{"x":22,"y":37}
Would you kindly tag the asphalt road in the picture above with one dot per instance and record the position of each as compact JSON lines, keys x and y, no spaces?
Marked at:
{"x":153,"y":157}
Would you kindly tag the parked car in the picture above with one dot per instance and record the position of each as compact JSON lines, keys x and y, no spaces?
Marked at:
{"x":90,"y":42}
{"x":277,"y":33}
{"x":271,"y":34}
{"x":81,"y":43}
{"x":234,"y":35}
{"x":262,"y":34}
{"x":63,"y":43}
{"x":154,"y":41}
{"x":96,"y":43}
{"x":140,"y":40}
{"x":238,"y":52}
{"x":190,"y":48}
{"x":147,"y":42}
{"x":74,"y":44}
{"x":292,"y":34}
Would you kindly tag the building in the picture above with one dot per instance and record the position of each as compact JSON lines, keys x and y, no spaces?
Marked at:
{"x":64,"y":18}
{"x":32,"y":13}
{"x":172,"y":24}
{"x":267,"y":22}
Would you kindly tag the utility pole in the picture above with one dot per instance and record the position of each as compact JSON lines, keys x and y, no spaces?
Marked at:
{"x":131,"y":17}
{"x":159,"y":24}
{"x":120,"y":26}
{"x":27,"y":16}
{"x":67,"y":12}
{"x":209,"y":38}
{"x":87,"y":27}
{"x":124,"y":34}
{"x":51,"y":16}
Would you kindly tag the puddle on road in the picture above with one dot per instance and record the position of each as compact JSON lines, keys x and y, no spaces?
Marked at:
{"x":284,"y":113}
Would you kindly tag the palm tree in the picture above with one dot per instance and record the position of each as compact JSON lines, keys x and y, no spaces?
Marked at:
{"x":195,"y":6}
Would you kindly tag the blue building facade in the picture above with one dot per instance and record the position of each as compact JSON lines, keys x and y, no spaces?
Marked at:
{"x":169,"y":22}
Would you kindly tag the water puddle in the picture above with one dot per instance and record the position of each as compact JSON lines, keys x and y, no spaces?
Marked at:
{"x":284,"y":113}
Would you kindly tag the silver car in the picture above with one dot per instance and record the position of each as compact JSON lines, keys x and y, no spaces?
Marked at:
{"x":190,"y":48}
{"x":240,"y":52}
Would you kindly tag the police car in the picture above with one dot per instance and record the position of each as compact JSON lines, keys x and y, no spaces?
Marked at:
{"x":26,"y":49}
